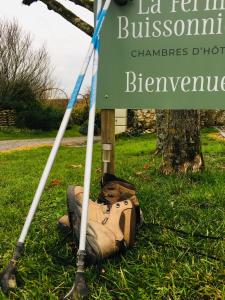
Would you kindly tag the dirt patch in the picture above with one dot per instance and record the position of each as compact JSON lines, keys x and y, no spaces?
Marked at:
{"x":24,"y":148}
{"x":21,"y":145}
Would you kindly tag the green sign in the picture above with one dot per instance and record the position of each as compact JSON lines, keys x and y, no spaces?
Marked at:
{"x":163,"y":54}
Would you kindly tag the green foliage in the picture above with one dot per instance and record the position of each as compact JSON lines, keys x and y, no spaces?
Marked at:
{"x":84,"y":129}
{"x":44,"y":118}
{"x":178,"y":255}
{"x":80,"y":113}
{"x":80,"y":116}
{"x":30,"y":113}
{"x":19,"y":96}
{"x":25,"y":75}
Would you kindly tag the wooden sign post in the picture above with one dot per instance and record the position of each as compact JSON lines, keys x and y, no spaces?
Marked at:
{"x":108,"y":134}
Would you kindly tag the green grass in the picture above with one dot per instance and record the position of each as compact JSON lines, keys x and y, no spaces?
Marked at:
{"x":172,"y":258}
{"x":12,"y":133}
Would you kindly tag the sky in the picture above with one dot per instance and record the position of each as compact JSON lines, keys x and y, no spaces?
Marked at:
{"x":66,"y":45}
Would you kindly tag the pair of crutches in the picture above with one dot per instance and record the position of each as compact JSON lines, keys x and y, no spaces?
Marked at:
{"x":79,"y":289}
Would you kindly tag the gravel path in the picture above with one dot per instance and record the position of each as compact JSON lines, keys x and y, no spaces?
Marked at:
{"x":18,"y":144}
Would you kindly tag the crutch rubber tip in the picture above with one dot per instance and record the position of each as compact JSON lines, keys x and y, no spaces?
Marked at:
{"x":80,"y":288}
{"x":8,"y":278}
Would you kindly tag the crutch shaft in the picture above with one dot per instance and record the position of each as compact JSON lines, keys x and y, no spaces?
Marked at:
{"x":89,"y":151}
{"x":61,"y":131}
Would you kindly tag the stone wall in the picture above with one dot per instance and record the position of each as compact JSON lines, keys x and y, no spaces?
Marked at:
{"x":212,"y":117}
{"x":7,"y":118}
{"x":146,"y":119}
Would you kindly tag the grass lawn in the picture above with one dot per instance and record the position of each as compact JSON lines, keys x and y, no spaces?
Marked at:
{"x":12,"y":133}
{"x":179,"y":254}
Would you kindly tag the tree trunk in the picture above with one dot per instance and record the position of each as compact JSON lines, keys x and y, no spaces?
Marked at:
{"x":182,"y":146}
{"x":161,"y":129}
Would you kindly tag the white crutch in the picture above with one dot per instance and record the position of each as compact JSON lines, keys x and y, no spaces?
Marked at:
{"x":7,"y":277}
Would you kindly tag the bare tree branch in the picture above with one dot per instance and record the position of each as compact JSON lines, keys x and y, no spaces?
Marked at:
{"x":66,"y":13}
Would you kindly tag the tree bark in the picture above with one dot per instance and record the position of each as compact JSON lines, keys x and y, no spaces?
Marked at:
{"x":66,"y":13}
{"x":182,"y":146}
{"x":161,"y":129}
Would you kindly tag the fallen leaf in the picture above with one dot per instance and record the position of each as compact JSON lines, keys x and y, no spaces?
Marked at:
{"x":138,"y":173}
{"x":55,"y":182}
{"x":147,"y":166}
{"x":76,"y":166}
